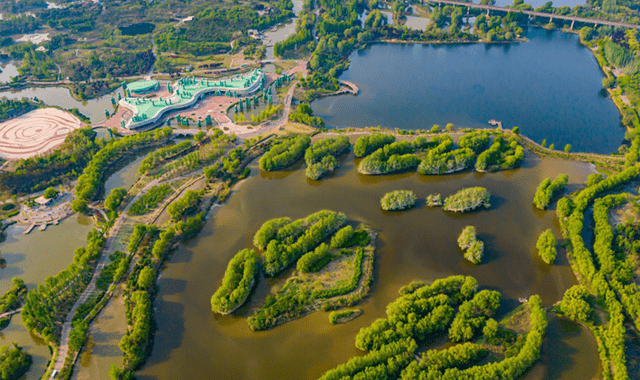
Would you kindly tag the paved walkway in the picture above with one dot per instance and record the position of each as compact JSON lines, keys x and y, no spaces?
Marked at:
{"x":63,"y":348}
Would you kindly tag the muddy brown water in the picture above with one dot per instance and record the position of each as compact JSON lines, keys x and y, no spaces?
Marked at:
{"x":34,"y":257}
{"x":419,"y":244}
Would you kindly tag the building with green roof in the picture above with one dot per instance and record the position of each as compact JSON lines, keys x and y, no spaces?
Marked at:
{"x":143,"y":87}
{"x":186,"y":92}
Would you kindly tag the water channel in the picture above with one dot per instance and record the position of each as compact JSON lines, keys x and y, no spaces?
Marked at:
{"x":550,"y":87}
{"x":193,"y":343}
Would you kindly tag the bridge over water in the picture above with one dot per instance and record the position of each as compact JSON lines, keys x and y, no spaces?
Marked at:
{"x":550,"y":16}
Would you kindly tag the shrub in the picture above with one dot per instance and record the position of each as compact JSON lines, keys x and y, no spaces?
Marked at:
{"x":315,"y":260}
{"x":50,"y":193}
{"x":285,"y":153}
{"x":546,"y":246}
{"x":547,"y":190}
{"x":468,"y":199}
{"x":468,"y":242}
{"x":398,"y":200}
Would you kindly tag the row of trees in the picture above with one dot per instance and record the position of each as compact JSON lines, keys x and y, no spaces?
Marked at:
{"x":317,"y":228}
{"x":472,"y":315}
{"x":38,"y":172}
{"x":151,"y":199}
{"x":47,"y":305}
{"x":304,"y":115}
{"x":368,"y":144}
{"x":571,"y":215}
{"x":422,"y":310}
{"x":315,"y":260}
{"x":160,"y":156}
{"x":458,"y":356}
{"x":186,"y":205}
{"x":393,"y":157}
{"x":448,"y":162}
{"x":548,"y":189}
{"x":313,"y":242}
{"x":416,"y":315}
{"x":321,"y":156}
{"x":237,"y":282}
{"x":285,"y":153}
{"x":115,"y":198}
{"x":503,"y":154}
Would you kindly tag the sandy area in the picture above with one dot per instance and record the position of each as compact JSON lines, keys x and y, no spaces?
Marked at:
{"x":35,"y":132}
{"x":34,"y":38}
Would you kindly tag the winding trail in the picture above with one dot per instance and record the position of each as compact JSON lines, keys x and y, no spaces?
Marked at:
{"x":63,"y":348}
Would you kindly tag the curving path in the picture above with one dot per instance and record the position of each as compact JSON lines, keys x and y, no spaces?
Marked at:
{"x":63,"y":348}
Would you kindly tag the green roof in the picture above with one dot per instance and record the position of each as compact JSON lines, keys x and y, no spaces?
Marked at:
{"x":142,"y":85}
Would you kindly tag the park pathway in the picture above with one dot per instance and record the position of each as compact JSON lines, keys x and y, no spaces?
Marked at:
{"x":63,"y":348}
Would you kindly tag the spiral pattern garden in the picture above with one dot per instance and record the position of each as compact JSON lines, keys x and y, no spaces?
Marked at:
{"x":35,"y":132}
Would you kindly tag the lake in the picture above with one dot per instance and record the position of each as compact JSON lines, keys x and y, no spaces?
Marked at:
{"x":420,"y":244}
{"x":550,"y":87}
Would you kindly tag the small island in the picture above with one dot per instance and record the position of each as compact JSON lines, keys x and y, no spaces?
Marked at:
{"x":14,"y":362}
{"x":237,"y":282}
{"x":546,"y":246}
{"x":333,"y":268}
{"x":344,"y":316}
{"x":473,"y":248}
{"x":453,"y":305}
{"x":468,"y":199}
{"x":398,"y":200}
{"x":547,"y":190}
{"x":434,"y":200}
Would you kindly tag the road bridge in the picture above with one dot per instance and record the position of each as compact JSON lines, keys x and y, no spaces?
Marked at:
{"x":550,"y":16}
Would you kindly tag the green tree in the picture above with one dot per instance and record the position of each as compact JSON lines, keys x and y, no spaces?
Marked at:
{"x":79,"y":206}
{"x":567,"y":148}
{"x":145,"y":279}
{"x":546,"y":246}
{"x":114,"y":199}
{"x":50,"y":193}
{"x":576,"y":303}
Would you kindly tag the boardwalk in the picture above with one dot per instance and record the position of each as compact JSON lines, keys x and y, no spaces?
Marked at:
{"x":551,"y":16}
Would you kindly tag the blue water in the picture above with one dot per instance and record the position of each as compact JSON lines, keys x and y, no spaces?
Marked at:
{"x":551,"y":87}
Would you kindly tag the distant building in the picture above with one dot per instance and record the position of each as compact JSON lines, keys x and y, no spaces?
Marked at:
{"x":42,"y":201}
{"x":253,"y":33}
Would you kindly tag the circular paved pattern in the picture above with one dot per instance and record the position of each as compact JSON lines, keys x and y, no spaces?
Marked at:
{"x":35,"y":132}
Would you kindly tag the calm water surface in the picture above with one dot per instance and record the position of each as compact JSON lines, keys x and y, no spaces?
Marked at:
{"x":126,"y":175}
{"x":420,"y":244}
{"x":550,"y":87}
{"x":34,"y":257}
{"x":283,"y":31}
{"x":61,"y":97}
